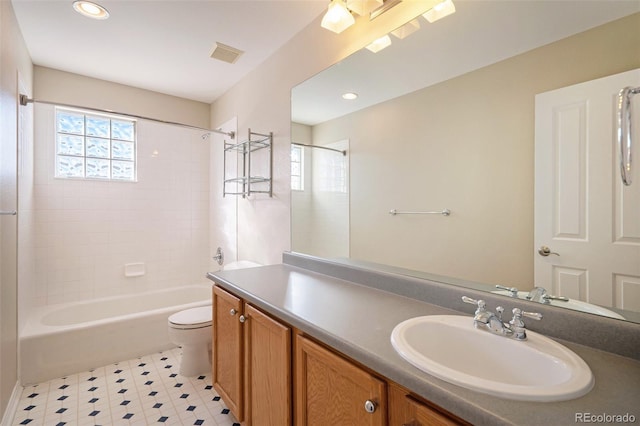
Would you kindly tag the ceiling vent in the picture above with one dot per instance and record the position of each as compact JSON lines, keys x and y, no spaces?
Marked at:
{"x":225,"y":53}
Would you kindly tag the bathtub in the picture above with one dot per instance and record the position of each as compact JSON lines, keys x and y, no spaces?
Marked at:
{"x":64,"y":339}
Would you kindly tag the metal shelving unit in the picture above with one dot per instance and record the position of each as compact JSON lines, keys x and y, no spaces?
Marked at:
{"x":247,"y":183}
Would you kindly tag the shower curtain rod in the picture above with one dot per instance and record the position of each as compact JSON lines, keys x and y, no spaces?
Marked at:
{"x":341,"y":151}
{"x":24,"y":101}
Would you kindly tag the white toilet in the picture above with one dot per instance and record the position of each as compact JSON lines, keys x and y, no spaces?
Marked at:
{"x":191,"y":330}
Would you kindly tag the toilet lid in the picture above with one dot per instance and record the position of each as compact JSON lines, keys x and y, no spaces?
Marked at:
{"x":192,"y":318}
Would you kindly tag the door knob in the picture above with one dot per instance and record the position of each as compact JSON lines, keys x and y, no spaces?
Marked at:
{"x":546,"y":251}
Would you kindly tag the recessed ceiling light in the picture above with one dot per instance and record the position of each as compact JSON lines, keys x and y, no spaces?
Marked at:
{"x":90,"y":9}
{"x":349,"y":96}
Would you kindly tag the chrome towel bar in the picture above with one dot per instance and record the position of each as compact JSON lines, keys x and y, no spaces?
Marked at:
{"x":445,"y":212}
{"x":11,"y":213}
{"x":623,"y":131}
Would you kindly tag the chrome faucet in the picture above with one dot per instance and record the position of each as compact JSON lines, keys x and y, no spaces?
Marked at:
{"x":492,"y":322}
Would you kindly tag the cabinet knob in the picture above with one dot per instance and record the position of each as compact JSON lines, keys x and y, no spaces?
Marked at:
{"x":232,"y":312}
{"x":370,"y":406}
{"x":242,"y":318}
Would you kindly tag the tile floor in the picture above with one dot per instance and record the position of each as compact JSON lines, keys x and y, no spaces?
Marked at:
{"x":142,"y":391}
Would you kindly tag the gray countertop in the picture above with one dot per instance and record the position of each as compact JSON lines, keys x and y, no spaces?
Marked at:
{"x":357,"y":320}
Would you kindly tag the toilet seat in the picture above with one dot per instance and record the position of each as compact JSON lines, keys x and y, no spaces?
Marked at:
{"x":191,"y":318}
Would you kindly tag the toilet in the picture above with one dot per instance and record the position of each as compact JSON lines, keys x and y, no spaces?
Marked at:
{"x":191,"y":330}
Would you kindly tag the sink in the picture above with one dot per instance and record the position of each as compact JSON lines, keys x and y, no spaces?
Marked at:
{"x":452,"y":349}
{"x":576,"y":305}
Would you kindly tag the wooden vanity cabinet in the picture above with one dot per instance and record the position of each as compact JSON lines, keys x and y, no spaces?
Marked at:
{"x":227,"y":351}
{"x":267,"y":370}
{"x":406,"y":410}
{"x":254,"y":374}
{"x":251,"y":363}
{"x":331,"y":390}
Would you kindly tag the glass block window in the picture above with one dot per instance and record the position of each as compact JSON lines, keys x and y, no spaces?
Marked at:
{"x":330,"y":172}
{"x":93,"y":146}
{"x":297,"y":168}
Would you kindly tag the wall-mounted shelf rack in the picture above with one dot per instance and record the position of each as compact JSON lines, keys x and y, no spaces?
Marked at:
{"x":246,"y":181}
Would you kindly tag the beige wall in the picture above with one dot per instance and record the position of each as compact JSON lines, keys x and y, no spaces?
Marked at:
{"x":15,"y":64}
{"x":261,"y":101}
{"x":67,"y":88}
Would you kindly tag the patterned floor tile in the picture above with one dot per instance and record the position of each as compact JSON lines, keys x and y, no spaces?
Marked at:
{"x":137,"y":392}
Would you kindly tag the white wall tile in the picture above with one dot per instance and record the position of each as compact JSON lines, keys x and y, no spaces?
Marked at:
{"x":85,"y":231}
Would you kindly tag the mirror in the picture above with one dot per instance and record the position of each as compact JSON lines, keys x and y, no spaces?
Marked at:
{"x":445,"y":119}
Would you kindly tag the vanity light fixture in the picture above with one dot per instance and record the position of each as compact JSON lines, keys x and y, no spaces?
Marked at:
{"x":339,"y":15}
{"x":439,"y":11}
{"x":90,"y":9}
{"x":407,"y":29}
{"x":363,"y":7}
{"x":338,"y":18}
{"x":380,"y":44}
{"x":349,"y":96}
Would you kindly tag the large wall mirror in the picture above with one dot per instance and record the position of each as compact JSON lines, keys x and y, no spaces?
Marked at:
{"x":447,"y":118}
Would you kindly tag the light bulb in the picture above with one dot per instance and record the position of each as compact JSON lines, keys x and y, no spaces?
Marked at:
{"x":439,"y":11}
{"x":338,"y":18}
{"x":379,"y":44}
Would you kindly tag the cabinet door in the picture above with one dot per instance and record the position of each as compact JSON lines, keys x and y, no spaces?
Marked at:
{"x":404,"y":410}
{"x":332,"y":391}
{"x":227,"y":350}
{"x":268,"y":370}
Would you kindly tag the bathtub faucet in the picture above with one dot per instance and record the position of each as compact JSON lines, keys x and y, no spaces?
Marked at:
{"x":219,"y":256}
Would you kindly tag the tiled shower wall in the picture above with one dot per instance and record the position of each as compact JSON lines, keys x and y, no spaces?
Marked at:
{"x":87,"y":230}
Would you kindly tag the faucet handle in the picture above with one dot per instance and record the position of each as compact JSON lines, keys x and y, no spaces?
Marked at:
{"x":517,"y":325}
{"x":534,"y":315}
{"x":519,"y":313}
{"x":558,"y":298}
{"x":479,"y":303}
{"x":513,"y":292}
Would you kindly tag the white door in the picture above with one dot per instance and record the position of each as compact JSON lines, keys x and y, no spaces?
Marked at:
{"x":583,"y":212}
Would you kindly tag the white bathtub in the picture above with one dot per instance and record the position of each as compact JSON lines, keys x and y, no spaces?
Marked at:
{"x":64,"y":339}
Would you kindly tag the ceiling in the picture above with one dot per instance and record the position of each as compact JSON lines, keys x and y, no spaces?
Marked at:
{"x":480,"y":33}
{"x":163,"y":46}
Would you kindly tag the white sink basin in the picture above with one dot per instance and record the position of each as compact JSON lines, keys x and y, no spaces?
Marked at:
{"x":576,"y":305}
{"x":450,"y":348}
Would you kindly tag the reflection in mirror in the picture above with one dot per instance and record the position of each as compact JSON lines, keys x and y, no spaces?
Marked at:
{"x":446,"y":119}
{"x":320,"y":192}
